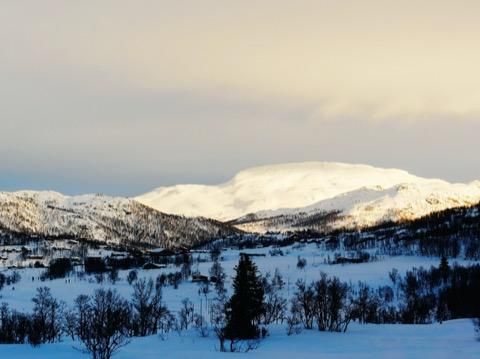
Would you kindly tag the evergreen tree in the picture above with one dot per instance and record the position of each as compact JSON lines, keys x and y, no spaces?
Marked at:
{"x":444,"y":268}
{"x":246,"y":305}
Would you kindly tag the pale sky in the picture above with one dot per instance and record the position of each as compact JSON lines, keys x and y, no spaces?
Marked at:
{"x":123,"y":96}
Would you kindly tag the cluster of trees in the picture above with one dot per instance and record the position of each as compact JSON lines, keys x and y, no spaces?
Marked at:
{"x":173,"y":279}
{"x":103,"y":322}
{"x":257,"y":301}
{"x":421,"y":296}
{"x":108,"y":269}
{"x":44,"y":325}
{"x":58,"y":268}
{"x":11,"y":279}
{"x":325,"y":303}
{"x":250,"y":241}
{"x":452,"y":233}
{"x":441,"y":293}
{"x":355,"y":257}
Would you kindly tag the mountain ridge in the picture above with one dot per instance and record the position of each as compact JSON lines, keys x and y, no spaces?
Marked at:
{"x":285,"y":197}
{"x":362,"y":195}
{"x":101,"y":218}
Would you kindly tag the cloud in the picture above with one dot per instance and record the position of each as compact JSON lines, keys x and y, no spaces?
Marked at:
{"x":377,"y":59}
{"x":143,"y":93}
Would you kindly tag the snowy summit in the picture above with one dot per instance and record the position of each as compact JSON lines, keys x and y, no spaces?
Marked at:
{"x":363,"y":194}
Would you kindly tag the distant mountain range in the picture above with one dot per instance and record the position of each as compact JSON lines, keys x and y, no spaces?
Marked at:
{"x":314,"y":195}
{"x":287,"y":197}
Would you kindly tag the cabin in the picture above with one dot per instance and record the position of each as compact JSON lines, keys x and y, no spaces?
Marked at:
{"x":119,"y":255}
{"x":76,"y":261}
{"x":345,"y":260}
{"x":151,"y":265}
{"x":197,"y":277}
{"x":159,"y":253}
{"x":253,"y":254}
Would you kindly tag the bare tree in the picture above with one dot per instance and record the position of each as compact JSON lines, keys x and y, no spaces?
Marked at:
{"x":185,"y":316}
{"x":301,"y":262}
{"x":219,"y":320}
{"x":81,"y":311}
{"x":333,"y":309}
{"x":303,"y":304}
{"x":218,"y":276}
{"x":294,"y":323}
{"x":201,"y":325}
{"x":47,"y":317}
{"x":113,"y":276}
{"x":275,"y":304}
{"x":106,"y":319}
{"x":147,"y":307}
{"x":132,"y":276}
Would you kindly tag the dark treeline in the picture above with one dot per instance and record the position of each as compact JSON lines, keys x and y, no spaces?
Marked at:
{"x":10,"y":279}
{"x":101,"y":265}
{"x":423,"y":296}
{"x":452,"y":233}
{"x":108,"y":268}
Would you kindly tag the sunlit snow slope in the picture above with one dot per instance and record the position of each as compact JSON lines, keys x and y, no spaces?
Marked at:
{"x":363,"y":195}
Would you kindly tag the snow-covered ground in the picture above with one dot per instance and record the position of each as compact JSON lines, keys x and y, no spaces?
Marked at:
{"x":363,"y":341}
{"x":374,"y":273}
{"x":452,"y":339}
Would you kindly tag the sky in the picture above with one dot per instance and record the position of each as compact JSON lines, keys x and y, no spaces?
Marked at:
{"x":120,"y":97}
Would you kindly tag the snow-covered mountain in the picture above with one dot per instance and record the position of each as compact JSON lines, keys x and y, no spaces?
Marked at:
{"x":280,"y":197}
{"x":98,"y":217}
{"x":302,"y":195}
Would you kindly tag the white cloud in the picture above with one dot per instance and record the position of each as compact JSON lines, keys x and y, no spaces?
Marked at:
{"x":382,"y":59}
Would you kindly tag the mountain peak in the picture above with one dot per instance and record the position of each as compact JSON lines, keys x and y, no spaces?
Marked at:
{"x":273,"y":187}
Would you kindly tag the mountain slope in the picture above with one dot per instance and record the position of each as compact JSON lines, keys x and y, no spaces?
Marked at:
{"x":97,"y":217}
{"x":301,"y":195}
{"x":366,"y":207}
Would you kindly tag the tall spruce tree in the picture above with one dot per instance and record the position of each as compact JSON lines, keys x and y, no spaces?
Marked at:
{"x":444,"y":268}
{"x":246,"y":305}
